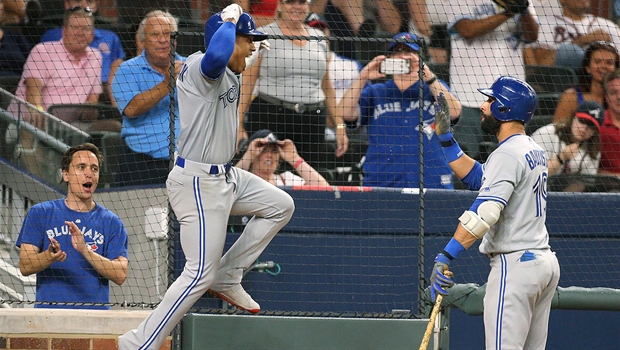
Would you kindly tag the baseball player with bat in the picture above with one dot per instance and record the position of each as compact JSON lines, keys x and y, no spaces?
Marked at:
{"x":204,"y":189}
{"x":508,"y":215}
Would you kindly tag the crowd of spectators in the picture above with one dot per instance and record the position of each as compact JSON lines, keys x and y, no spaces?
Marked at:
{"x":296,"y":89}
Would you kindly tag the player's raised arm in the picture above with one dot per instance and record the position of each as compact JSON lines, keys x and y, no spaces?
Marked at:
{"x":467,"y":169}
{"x":220,"y":43}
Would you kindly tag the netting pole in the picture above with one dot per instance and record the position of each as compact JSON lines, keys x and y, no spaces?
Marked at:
{"x":421,"y":280}
{"x":176,"y":333}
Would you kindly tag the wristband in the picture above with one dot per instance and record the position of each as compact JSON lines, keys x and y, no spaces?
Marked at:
{"x":341,"y":126}
{"x":451,"y":149}
{"x":431,"y":81}
{"x":298,"y":163}
{"x":453,"y":249}
{"x":559,"y":159}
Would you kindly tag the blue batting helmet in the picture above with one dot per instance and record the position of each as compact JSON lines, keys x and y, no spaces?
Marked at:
{"x":245,"y":25}
{"x":514,"y":99}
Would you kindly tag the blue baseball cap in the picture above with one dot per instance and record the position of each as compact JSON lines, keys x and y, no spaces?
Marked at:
{"x":414,"y":46}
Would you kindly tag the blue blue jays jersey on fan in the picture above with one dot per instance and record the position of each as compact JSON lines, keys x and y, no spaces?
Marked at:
{"x":75,"y":279}
{"x":392,"y":119}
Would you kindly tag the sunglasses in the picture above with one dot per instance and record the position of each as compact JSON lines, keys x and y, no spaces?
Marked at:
{"x":298,"y":2}
{"x":78,"y":8}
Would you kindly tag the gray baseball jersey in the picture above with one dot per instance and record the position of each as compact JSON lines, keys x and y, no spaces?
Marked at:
{"x":515,"y":175}
{"x":203,"y":193}
{"x":524,"y":271}
{"x":209,"y":123}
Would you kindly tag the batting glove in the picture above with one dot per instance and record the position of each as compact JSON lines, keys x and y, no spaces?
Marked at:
{"x":442,"y":116}
{"x":233,"y":11}
{"x":439,"y":281}
{"x":262,"y":46}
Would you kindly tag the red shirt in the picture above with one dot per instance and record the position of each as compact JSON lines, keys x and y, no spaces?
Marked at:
{"x":265,"y":8}
{"x":610,"y":148}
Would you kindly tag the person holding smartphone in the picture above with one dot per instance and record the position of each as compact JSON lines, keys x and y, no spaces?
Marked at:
{"x":390,"y":110}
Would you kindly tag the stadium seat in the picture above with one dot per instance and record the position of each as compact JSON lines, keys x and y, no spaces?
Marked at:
{"x":583,"y":183}
{"x":537,"y":122}
{"x":190,"y":40}
{"x":548,"y":79}
{"x":442,"y":70}
{"x":547,"y":102}
{"x":8,"y":83}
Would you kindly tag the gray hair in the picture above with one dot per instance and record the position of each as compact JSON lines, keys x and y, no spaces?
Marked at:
{"x":157,"y":13}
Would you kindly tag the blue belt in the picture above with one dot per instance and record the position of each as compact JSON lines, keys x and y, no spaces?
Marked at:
{"x":210,"y":169}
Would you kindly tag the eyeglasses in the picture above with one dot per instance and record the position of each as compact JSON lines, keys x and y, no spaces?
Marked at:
{"x":78,"y":8}
{"x":298,"y":2}
{"x":400,"y":50}
{"x":598,"y":45}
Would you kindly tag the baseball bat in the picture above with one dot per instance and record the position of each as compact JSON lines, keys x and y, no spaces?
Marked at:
{"x":431,"y":323}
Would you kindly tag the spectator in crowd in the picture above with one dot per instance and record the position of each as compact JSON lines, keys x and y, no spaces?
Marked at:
{"x":73,"y":78}
{"x":132,"y":12}
{"x":14,"y":49}
{"x":295,"y":93}
{"x":262,"y":158}
{"x":141,"y":92}
{"x":14,"y":12}
{"x":610,"y":131}
{"x":429,"y":21}
{"x":106,"y":41}
{"x":263,"y":11}
{"x":74,"y":245}
{"x":353,"y":18}
{"x":342,"y":70}
{"x":573,"y":147}
{"x":600,"y":58}
{"x":139,"y":47}
{"x":486,"y":43}
{"x":391,"y":112}
{"x":563,"y":37}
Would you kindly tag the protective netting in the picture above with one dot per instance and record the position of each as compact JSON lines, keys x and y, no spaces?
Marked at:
{"x":362,"y":247}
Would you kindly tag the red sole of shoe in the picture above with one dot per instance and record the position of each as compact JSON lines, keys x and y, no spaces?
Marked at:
{"x":221,"y":296}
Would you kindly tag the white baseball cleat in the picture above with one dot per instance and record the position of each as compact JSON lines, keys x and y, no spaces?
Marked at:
{"x":238,"y":297}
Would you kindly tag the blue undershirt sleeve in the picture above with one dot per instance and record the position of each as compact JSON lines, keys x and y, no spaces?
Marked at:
{"x":218,"y":53}
{"x":473,"y":180}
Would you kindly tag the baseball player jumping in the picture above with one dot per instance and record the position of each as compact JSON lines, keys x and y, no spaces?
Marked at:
{"x":204,"y":189}
{"x":508,"y":215}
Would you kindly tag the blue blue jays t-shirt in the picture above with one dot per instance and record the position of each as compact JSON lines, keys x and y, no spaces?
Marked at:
{"x":392,"y":157}
{"x":73,"y":280}
{"x":105,"y":41}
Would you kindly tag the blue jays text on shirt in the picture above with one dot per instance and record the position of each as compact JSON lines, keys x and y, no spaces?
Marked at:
{"x":90,"y":236}
{"x":395,"y":106}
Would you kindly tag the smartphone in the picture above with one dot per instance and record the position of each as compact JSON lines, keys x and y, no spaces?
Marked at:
{"x":54,"y":247}
{"x":391,"y":66}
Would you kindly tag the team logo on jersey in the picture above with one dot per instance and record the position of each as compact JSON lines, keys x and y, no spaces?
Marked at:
{"x":230,"y":96}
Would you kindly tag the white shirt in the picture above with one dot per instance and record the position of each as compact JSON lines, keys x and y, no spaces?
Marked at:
{"x":547,"y":138}
{"x":287,"y":178}
{"x":558,"y":29}
{"x":477,"y":62}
